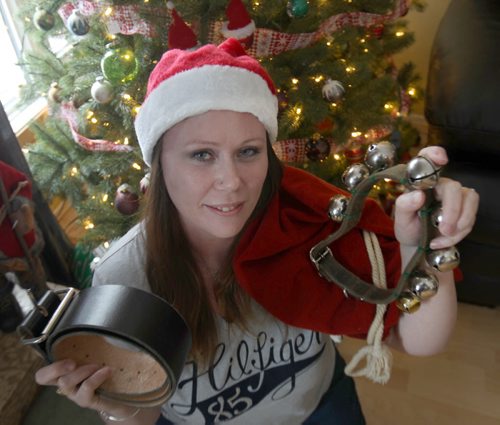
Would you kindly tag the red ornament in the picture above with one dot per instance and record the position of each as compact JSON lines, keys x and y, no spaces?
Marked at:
{"x":377,"y":30}
{"x":126,"y":200}
{"x":354,"y":152}
{"x":325,"y":126}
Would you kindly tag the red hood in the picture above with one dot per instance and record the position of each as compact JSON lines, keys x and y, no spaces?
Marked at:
{"x":272,"y":259}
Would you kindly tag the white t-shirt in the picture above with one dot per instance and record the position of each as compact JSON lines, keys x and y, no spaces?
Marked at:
{"x":269,"y":374}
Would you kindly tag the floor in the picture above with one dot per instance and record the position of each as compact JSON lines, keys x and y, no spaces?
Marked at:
{"x":458,"y":387}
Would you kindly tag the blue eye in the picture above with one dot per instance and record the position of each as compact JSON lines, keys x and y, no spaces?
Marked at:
{"x":249,"y":152}
{"x":201,"y":155}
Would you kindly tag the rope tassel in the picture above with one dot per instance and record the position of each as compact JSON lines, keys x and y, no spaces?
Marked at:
{"x":377,"y":355}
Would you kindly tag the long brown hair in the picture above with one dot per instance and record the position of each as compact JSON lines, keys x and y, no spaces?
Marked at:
{"x":171,"y":268}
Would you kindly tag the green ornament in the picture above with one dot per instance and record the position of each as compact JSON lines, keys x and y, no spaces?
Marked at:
{"x":297,"y":8}
{"x":119,"y":65}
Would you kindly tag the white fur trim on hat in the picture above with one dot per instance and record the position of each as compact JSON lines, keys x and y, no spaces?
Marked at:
{"x":199,"y":90}
{"x":239,"y":33}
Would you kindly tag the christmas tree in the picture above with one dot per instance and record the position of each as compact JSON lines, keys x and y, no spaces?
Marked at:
{"x":332,"y":61}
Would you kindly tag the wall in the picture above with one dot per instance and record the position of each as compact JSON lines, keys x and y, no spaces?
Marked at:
{"x":423,"y":25}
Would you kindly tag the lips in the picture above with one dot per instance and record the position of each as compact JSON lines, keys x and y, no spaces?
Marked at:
{"x":226,"y":209}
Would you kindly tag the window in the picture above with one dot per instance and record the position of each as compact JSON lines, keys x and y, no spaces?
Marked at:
{"x":11,"y":74}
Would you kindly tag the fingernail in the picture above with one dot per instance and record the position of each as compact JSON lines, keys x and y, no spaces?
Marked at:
{"x":434,"y":245}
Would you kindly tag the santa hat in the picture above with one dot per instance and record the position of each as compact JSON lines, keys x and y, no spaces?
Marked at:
{"x":240,"y":25}
{"x":188,"y":83}
{"x":180,"y":35}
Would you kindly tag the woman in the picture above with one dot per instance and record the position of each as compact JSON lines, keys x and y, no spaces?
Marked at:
{"x":206,"y":129}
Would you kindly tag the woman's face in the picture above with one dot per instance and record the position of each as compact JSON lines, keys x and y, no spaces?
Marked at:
{"x":214,"y":167}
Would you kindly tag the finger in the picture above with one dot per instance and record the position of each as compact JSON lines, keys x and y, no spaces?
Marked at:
{"x":49,"y":375}
{"x":470,"y":205}
{"x":449,"y":192}
{"x":68,"y":383}
{"x":406,"y":223}
{"x":86,"y":393}
{"x":470,"y":202}
{"x":436,"y":154}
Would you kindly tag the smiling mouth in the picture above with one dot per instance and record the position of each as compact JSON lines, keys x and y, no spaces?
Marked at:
{"x":225,"y":208}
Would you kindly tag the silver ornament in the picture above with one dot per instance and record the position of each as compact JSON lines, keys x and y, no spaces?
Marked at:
{"x":445,"y":259}
{"x":77,"y":24}
{"x":380,"y":156}
{"x":337,"y":207}
{"x":355,"y":174}
{"x":437,"y":217}
{"x":423,"y":285}
{"x":102,"y":90}
{"x":333,"y":90}
{"x":422,"y":173}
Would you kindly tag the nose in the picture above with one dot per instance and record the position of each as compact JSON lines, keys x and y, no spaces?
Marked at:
{"x":227,"y":175}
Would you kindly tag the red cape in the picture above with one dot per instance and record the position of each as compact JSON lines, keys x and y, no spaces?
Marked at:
{"x":9,"y":245}
{"x":272,"y":259}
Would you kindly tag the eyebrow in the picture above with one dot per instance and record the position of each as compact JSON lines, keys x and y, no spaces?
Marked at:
{"x":214,"y":143}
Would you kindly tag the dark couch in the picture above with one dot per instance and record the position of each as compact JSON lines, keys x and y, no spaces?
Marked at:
{"x":463,"y":110}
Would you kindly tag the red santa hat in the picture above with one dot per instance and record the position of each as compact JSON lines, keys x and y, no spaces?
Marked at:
{"x":188,"y":83}
{"x":239,"y":25}
{"x":180,"y":34}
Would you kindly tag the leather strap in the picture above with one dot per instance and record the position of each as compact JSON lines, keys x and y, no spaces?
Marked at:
{"x":333,"y":271}
{"x":139,"y":335}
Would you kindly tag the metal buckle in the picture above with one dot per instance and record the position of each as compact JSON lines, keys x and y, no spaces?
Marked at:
{"x":49,"y":327}
{"x":319,"y":258}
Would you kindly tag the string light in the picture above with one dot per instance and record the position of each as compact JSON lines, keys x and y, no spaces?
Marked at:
{"x":105,"y":197}
{"x":388,"y":106}
{"x":108,"y":11}
{"x":74,"y":171}
{"x":295,"y":81}
{"x":318,"y":78}
{"x":87,"y":224}
{"x":336,"y":156}
{"x":125,"y":141}
{"x":356,"y":133}
{"x":350,"y":69}
{"x":106,"y":244}
{"x":400,"y":33}
{"x":136,"y":166}
{"x":412,"y":91}
{"x":298,"y":110}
